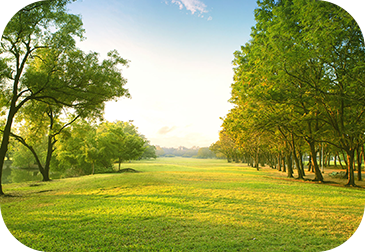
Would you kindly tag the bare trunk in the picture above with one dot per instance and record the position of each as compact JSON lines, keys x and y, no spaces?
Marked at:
{"x":358,"y":157}
{"x":339,"y":160}
{"x":345,"y":159}
{"x":317,"y":171}
{"x":310,"y":163}
{"x":299,"y":168}
{"x":290,"y":165}
{"x":350,"y":167}
{"x":50,"y":150}
{"x":300,"y":157}
{"x":257,"y":159}
{"x":5,"y":140}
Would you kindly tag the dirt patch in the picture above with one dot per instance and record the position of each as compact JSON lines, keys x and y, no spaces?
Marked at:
{"x":128,"y":170}
{"x":44,"y":191}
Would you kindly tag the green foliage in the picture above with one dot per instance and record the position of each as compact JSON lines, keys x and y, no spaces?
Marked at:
{"x":184,"y":205}
{"x":120,"y":141}
{"x":224,"y":147}
{"x":205,"y":152}
{"x":298,"y":80}
{"x":149,"y":151}
{"x":87,"y":148}
{"x":23,"y":158}
{"x":159,"y":151}
{"x":39,"y":63}
{"x":76,"y":80}
{"x":20,"y":175}
{"x":72,"y":155}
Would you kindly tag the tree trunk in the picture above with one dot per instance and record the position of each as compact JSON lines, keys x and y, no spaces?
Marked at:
{"x":310,"y":163}
{"x":300,"y":157}
{"x":274,"y":161}
{"x":290,"y":165}
{"x":50,"y":143}
{"x":358,"y":157}
{"x":317,"y":171}
{"x":50,"y":150}
{"x":350,"y":168}
{"x":320,"y":157}
{"x":40,"y":166}
{"x":299,"y":168}
{"x":279,"y":162}
{"x":339,"y":160}
{"x":257,"y":158}
{"x":334,"y":160}
{"x":344,"y":159}
{"x":5,"y":139}
{"x":363,"y":153}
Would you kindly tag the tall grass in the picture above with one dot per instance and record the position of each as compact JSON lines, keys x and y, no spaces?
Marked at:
{"x":181,"y":204}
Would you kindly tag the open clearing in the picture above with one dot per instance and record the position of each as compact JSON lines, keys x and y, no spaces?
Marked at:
{"x":178,"y":204}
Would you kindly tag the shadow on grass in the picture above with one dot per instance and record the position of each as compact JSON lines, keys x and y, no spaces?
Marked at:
{"x":157,"y":222}
{"x":125,"y":170}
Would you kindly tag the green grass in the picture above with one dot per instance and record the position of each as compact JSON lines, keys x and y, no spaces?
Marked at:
{"x":181,"y":204}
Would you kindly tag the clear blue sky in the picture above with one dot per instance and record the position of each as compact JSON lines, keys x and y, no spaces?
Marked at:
{"x":180,"y":70}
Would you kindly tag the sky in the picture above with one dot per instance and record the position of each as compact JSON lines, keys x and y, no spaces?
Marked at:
{"x":180,"y":55}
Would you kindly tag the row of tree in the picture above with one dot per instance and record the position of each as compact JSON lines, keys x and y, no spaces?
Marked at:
{"x":84,"y":148}
{"x":45,"y":79}
{"x":298,"y":85}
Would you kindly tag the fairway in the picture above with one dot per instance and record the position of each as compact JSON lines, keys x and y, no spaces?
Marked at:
{"x":178,"y":204}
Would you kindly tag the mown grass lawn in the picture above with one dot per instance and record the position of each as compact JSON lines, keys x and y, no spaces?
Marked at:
{"x":181,"y":204}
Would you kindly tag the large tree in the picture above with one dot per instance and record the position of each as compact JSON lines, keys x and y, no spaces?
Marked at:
{"x":43,"y":65}
{"x":315,"y":52}
{"x":302,"y":73}
{"x":72,"y":80}
{"x":25,"y":27}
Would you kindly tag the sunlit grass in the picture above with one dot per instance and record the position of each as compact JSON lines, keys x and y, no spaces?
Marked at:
{"x":181,"y":205}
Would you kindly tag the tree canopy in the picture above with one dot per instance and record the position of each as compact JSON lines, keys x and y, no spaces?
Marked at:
{"x":39,"y":63}
{"x":298,"y":80}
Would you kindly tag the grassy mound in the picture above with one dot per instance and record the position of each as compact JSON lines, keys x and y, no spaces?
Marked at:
{"x":181,"y":204}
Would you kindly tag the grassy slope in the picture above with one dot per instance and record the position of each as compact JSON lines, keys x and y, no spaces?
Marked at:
{"x":181,"y":205}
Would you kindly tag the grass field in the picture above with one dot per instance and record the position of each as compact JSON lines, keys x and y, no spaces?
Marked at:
{"x":178,"y":204}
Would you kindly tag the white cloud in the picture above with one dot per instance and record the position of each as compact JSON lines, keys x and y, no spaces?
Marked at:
{"x":191,"y":5}
{"x":209,"y":18}
{"x":178,"y":3}
{"x":164,"y":130}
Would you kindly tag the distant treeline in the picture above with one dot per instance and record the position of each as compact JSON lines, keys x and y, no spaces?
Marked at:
{"x":194,"y":152}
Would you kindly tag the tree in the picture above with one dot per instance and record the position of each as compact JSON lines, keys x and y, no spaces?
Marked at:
{"x":225,"y":145}
{"x":79,"y":82}
{"x":61,"y":76}
{"x":300,"y":78}
{"x":120,"y":141}
{"x":205,"y":152}
{"x":330,"y":69}
{"x":40,"y":25}
{"x":159,"y":151}
{"x":149,"y":152}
